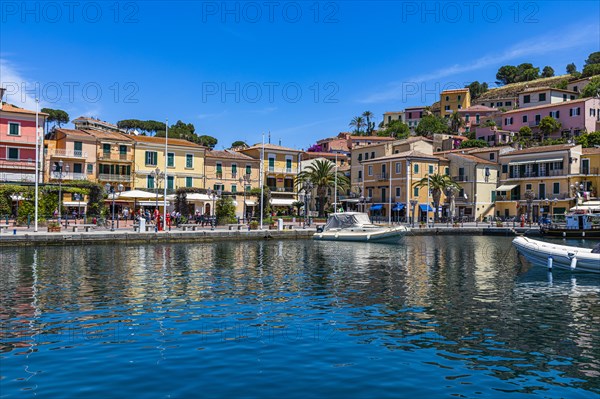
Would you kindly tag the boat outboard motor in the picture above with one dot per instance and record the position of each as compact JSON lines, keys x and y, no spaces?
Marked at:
{"x":596,"y":249}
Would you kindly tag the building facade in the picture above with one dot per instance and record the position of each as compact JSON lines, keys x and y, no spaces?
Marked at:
{"x":454,"y":100}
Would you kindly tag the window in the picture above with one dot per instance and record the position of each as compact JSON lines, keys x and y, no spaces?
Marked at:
{"x":410,"y":115}
{"x":564,"y":97}
{"x":171,"y":159}
{"x":271,"y":164}
{"x":467,"y":117}
{"x":389,"y":119}
{"x":372,"y":154}
{"x":416,"y":168}
{"x":77,"y":146}
{"x":370,"y":170}
{"x":572,"y":97}
{"x":90,"y":169}
{"x":106,"y":149}
{"x":524,"y":118}
{"x":77,"y":167}
{"x":477,"y":118}
{"x":459,"y":97}
{"x":575,"y":111}
{"x":538,"y":117}
{"x":526,"y":99}
{"x":122,"y":150}
{"x":542,"y":97}
{"x":592,"y":112}
{"x":542,"y":190}
{"x":499,"y":104}
{"x":370,"y":191}
{"x":359,"y":157}
{"x":528,"y":187}
{"x":219,"y":169}
{"x":508,"y":103}
{"x":151,"y":158}
{"x":555,"y":114}
{"x":398,"y":192}
{"x":398,"y":167}
{"x":14,"y":129}
{"x":189,"y":181}
{"x":492,"y":156}
{"x":459,"y":106}
{"x":556,"y":188}
{"x":170,"y":182}
{"x":575,"y":89}
{"x":234,"y":188}
{"x":288,"y":165}
{"x":359,"y":175}
{"x":585,"y":166}
{"x":150,"y":181}
{"x":416,"y":191}
{"x":248,"y":169}
{"x":430,"y":169}
{"x":233,"y":170}
{"x":447,"y":108}
{"x":504,"y":168}
{"x":13,"y":153}
{"x":447,"y":98}
{"x":189,"y":160}
{"x":447,"y":171}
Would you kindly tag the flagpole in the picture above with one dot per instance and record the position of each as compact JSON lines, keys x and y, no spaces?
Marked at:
{"x":335,"y":187}
{"x":166,"y":179}
{"x":390,"y":210}
{"x":262,"y":186}
{"x":37,"y":163}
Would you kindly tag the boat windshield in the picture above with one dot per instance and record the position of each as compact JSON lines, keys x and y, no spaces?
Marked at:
{"x":347,"y":220}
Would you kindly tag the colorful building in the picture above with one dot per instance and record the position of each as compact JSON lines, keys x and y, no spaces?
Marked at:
{"x":114,"y":158}
{"x":454,"y":100}
{"x":17,"y":143}
{"x":476,"y":115}
{"x":77,"y":151}
{"x":543,"y":96}
{"x":412,"y":117}
{"x":388,"y":117}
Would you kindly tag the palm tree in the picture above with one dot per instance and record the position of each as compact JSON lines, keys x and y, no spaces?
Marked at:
{"x":321,"y":173}
{"x":370,"y":125}
{"x":456,"y":122}
{"x":437,"y":185}
{"x":357,"y":123}
{"x":451,"y":195}
{"x":529,"y":196}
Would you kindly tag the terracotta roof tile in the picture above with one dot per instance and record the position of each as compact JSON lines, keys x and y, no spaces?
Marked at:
{"x":473,"y":158}
{"x":588,"y":151}
{"x":546,"y":148}
{"x":6,"y":107}
{"x":229,"y":155}
{"x":580,"y":100}
{"x":161,"y":140}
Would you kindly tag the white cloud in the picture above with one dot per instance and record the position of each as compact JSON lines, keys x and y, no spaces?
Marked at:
{"x":216,"y":115}
{"x":20,"y":91}
{"x":537,"y":46}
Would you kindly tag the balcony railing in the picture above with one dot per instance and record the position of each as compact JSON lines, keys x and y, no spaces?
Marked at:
{"x":590,"y":171}
{"x":460,"y":178}
{"x":272,"y":169}
{"x":547,"y":173}
{"x":112,"y":156}
{"x":17,"y":163}
{"x":61,"y":153}
{"x":382,"y":176}
{"x":69,"y":176}
{"x":284,"y":190}
{"x":114,"y":178}
{"x":561,"y":196}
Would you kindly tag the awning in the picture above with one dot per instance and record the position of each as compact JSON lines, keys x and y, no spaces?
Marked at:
{"x":398,"y":206}
{"x":426,"y":208}
{"x":152,"y":203}
{"x":536,"y":161}
{"x":376,"y":207}
{"x":353,"y":200}
{"x":591,"y":208}
{"x":506,"y":187}
{"x":75,"y":203}
{"x":282,"y":201}
{"x":250,"y":203}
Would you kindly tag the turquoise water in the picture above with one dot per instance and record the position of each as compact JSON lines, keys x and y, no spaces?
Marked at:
{"x":432,"y":317}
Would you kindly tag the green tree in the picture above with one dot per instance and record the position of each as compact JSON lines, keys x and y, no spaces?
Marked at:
{"x":456,"y":122}
{"x":208,"y":141}
{"x":264,"y":201}
{"x":549,"y":125}
{"x":547,"y":72}
{"x":358,"y":123}
{"x":474,"y":144}
{"x":437,"y":184}
{"x":527,"y":72}
{"x":56,"y":116}
{"x":525,"y":135}
{"x":239,"y":143}
{"x":592,"y":89}
{"x":476,"y":89}
{"x":431,"y":124}
{"x":370,"y":125}
{"x":593,"y":58}
{"x":321,"y":173}
{"x":396,"y":129}
{"x":571,"y":68}
{"x":298,"y":205}
{"x":591,"y":70}
{"x":506,"y":74}
{"x":225,"y":210}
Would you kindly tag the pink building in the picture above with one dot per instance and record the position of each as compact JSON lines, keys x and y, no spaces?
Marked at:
{"x":476,"y":115}
{"x":17,"y":143}
{"x":574,"y":116}
{"x":412,"y":117}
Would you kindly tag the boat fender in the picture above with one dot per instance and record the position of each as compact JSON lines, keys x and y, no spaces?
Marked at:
{"x":564,"y":233}
{"x":550,"y":260}
{"x":368,"y":237}
{"x":583,"y":233}
{"x":319,"y":229}
{"x":573,"y":263}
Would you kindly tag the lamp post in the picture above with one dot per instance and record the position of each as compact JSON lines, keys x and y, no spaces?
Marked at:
{"x":413,"y":204}
{"x":111,"y":190}
{"x":244,"y":180}
{"x":157,"y":175}
{"x":59,"y":171}
{"x":307,"y":187}
{"x":213,"y":195}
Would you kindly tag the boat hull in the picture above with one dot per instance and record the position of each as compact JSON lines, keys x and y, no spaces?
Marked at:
{"x":570,"y":233}
{"x":538,"y":253}
{"x":360,"y":235}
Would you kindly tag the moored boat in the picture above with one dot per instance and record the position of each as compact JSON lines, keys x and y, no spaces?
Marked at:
{"x":561,"y":256}
{"x":356,"y":226}
{"x":579,"y":223}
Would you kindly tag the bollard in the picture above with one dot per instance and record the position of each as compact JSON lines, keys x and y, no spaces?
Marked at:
{"x":14,"y":232}
{"x":28,"y":221}
{"x":573,"y":263}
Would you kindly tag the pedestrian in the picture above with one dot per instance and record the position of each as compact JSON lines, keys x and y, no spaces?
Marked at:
{"x":55,"y":213}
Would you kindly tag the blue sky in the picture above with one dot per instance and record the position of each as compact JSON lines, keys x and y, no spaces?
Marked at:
{"x":299,"y":69}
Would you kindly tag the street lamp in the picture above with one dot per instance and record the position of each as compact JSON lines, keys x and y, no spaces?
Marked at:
{"x":213,"y":195}
{"x":157,"y":175}
{"x":111,"y":190}
{"x":59,"y":171}
{"x":244,"y":181}
{"x":307,"y":187}
{"x":413,"y":205}
{"x":576,"y":188}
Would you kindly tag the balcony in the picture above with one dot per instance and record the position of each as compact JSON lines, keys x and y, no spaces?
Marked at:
{"x":534,"y":124}
{"x":546,"y":173}
{"x":114,"y":156}
{"x":590,"y":171}
{"x":382,"y":176}
{"x":114,"y":178}
{"x":61,"y":153}
{"x":284,"y":190}
{"x":281,"y":171}
{"x":460,"y":178}
{"x":69,"y":176}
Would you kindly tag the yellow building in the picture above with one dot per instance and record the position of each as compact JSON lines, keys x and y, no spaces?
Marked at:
{"x":453,"y":100}
{"x":549,"y":172}
{"x":185,"y":163}
{"x":590,"y":171}
{"x":280,"y":170}
{"x":114,"y":158}
{"x":236,"y":174}
{"x":390,"y":179}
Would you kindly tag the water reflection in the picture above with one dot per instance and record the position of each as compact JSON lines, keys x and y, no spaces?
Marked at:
{"x":465,"y":304}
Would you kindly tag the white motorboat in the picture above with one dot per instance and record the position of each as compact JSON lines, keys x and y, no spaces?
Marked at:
{"x":561,"y":256}
{"x":356,"y":226}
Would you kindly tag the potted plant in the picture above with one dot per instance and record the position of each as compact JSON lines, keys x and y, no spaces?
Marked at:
{"x":53,"y":227}
{"x":499,"y":223}
{"x":254,"y":225}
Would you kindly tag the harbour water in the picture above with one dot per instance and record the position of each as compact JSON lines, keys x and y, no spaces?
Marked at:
{"x":431,"y":317}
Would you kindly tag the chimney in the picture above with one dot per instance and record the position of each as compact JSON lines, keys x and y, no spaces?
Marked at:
{"x":2,"y":90}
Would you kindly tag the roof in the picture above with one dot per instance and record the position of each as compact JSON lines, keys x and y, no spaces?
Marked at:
{"x":269,"y":146}
{"x":463,"y":90}
{"x":480,"y":108}
{"x":411,"y":108}
{"x":547,"y":148}
{"x":316,"y":154}
{"x":544,"y":88}
{"x":104,"y":135}
{"x":229,"y":155}
{"x":6,"y":107}
{"x":372,"y":138}
{"x":75,"y":133}
{"x":589,"y":151}
{"x":487,"y":149}
{"x":580,"y":100}
{"x":85,"y":118}
{"x":473,"y":158}
{"x":406,"y":154}
{"x":161,"y":140}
